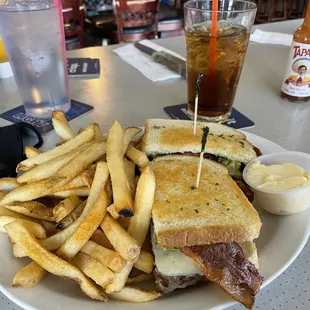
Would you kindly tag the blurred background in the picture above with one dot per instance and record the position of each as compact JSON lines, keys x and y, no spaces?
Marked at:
{"x":104,"y":22}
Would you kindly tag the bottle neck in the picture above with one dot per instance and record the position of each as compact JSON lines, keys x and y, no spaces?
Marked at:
{"x":307,"y":17}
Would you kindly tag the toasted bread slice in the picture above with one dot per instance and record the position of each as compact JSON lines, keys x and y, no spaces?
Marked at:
{"x":216,"y":211}
{"x":176,"y":136}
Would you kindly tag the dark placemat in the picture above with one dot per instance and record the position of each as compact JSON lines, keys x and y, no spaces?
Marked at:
{"x":236,"y":120}
{"x":44,"y":126}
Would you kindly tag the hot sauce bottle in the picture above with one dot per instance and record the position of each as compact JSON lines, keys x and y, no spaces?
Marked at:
{"x":296,"y":82}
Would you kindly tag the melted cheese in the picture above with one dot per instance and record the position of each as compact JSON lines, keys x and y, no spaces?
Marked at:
{"x":174,"y":263}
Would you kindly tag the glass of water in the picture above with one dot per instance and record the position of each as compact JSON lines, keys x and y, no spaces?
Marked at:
{"x":33,"y":36}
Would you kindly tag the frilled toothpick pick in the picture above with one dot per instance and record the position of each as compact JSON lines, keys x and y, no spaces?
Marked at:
{"x":199,"y":76}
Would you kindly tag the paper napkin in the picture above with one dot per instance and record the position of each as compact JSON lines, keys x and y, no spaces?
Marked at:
{"x":145,"y":63}
{"x":266,"y":37}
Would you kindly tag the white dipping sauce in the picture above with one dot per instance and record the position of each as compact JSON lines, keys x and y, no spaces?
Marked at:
{"x":281,"y":177}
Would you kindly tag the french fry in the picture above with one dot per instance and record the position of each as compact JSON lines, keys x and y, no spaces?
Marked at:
{"x":48,"y":169}
{"x":76,"y":218}
{"x":50,"y":228}
{"x":79,"y":191}
{"x":11,"y":240}
{"x":107,"y":257}
{"x":32,"y":209}
{"x":31,"y":151}
{"x":138,"y":157}
{"x":56,"y":241}
{"x":60,"y":115}
{"x":61,"y":126}
{"x":77,"y":182}
{"x":88,"y":175}
{"x":128,"y":135}
{"x":59,"y":143}
{"x":86,"y":136}
{"x":17,"y":251}
{"x":93,"y":269}
{"x":86,"y":229}
{"x":138,"y":225}
{"x":51,"y":262}
{"x":65,"y":207}
{"x":138,"y":145}
{"x":100,"y":238}
{"x":134,"y":294}
{"x":101,"y":176}
{"x":108,"y":188}
{"x":8,"y":216}
{"x":82,"y":161}
{"x":34,"y":228}
{"x":74,"y":215}
{"x":112,"y":211}
{"x":86,"y":240}
{"x":61,"y":178}
{"x":136,"y":180}
{"x":145,"y":262}
{"x":124,"y":222}
{"x":140,"y":278}
{"x":130,"y":168}
{"x":98,"y":133}
{"x":8,"y":184}
{"x":123,"y":243}
{"x":120,"y":279}
{"x":121,"y":191}
{"x":29,"y":276}
{"x":31,"y":191}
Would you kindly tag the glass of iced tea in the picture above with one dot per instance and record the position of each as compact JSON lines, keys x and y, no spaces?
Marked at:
{"x":215,"y":55}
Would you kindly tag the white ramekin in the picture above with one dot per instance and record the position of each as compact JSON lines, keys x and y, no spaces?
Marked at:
{"x":283,"y":202}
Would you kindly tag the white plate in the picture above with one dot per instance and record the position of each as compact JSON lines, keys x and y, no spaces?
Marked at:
{"x":282,"y":239}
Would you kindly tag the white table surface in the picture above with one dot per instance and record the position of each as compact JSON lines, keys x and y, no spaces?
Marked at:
{"x":125,"y":94}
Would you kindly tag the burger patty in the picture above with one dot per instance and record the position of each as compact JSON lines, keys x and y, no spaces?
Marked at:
{"x":168,"y":284}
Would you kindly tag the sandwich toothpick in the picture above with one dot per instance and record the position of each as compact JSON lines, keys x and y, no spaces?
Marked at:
{"x":203,"y":145}
{"x":199,"y":76}
{"x":199,"y":170}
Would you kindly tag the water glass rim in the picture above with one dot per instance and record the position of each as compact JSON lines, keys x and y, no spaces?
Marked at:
{"x":252,"y":6}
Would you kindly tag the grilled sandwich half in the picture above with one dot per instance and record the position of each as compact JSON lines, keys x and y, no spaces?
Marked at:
{"x":205,"y":233}
{"x":225,"y":145}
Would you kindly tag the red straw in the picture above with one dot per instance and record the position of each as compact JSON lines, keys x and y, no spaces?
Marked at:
{"x":215,"y":6}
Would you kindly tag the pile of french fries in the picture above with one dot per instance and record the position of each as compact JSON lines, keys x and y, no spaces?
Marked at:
{"x":80,"y":212}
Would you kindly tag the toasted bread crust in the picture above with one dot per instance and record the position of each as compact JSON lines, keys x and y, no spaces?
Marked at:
{"x":217,"y":211}
{"x":176,"y":136}
{"x":179,"y":238}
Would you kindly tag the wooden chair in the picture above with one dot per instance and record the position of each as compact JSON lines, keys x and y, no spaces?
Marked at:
{"x":271,"y":11}
{"x":135,"y":20}
{"x":74,"y":18}
{"x":297,"y":9}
